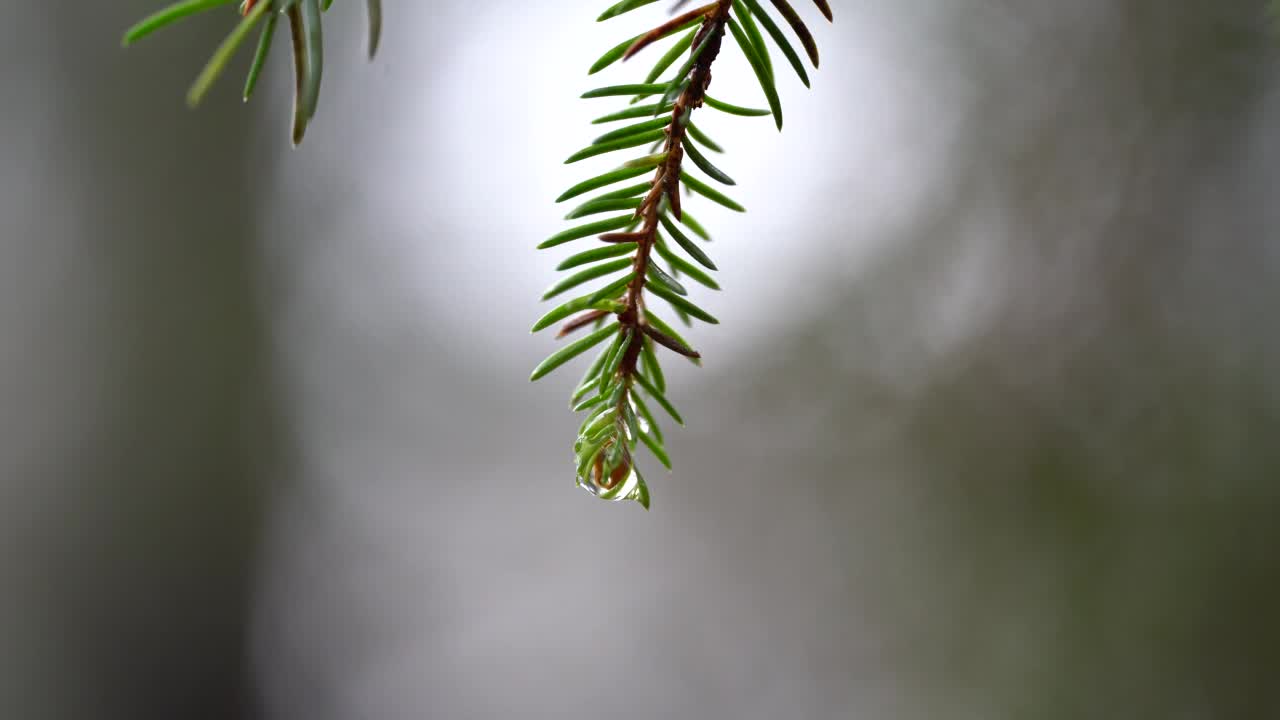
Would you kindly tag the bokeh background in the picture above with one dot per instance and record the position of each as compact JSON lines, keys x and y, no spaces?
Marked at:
{"x":989,"y":430}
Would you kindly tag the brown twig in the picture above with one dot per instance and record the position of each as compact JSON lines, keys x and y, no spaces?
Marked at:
{"x":666,"y":184}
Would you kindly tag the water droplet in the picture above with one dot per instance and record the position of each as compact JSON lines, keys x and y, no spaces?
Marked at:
{"x":622,"y":483}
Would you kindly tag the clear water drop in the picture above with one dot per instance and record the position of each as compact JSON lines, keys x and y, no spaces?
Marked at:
{"x":624,"y":483}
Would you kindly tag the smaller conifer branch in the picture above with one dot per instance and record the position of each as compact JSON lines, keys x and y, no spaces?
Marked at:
{"x":306,"y":35}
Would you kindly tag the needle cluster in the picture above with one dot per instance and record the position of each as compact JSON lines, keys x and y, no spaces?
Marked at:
{"x":306,"y":35}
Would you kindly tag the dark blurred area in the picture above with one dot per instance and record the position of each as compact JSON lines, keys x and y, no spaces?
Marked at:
{"x":998,"y":444}
{"x":138,"y":419}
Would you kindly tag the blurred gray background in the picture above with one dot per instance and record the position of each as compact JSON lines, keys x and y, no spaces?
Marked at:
{"x":989,"y":430}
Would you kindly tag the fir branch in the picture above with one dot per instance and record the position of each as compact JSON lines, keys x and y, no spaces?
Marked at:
{"x":618,"y":419}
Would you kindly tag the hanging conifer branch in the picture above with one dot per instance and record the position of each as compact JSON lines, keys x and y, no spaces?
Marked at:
{"x":627,"y":369}
{"x":306,"y":34}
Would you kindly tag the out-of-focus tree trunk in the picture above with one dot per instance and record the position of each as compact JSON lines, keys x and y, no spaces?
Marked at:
{"x":137,"y":407}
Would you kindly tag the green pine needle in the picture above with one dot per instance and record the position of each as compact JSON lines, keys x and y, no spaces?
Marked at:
{"x":224,"y":53}
{"x":168,"y":16}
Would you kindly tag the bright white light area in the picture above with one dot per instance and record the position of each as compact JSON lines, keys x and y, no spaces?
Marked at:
{"x":464,"y":176}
